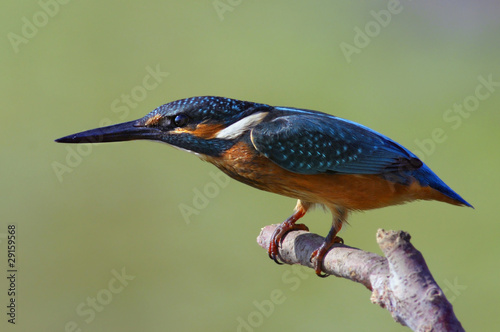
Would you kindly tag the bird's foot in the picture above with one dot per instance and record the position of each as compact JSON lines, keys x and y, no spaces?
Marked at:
{"x":319,"y":254}
{"x":278,"y":237}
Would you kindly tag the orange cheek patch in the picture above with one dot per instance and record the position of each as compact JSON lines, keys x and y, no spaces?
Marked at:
{"x":153,"y":120}
{"x":205,"y":131}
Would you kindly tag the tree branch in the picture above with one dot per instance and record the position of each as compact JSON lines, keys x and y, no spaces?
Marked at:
{"x":400,"y":282}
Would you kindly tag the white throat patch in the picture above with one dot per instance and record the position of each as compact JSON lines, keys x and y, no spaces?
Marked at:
{"x":241,"y":126}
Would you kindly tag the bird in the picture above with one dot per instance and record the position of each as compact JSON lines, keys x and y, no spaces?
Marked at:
{"x":314,"y":157}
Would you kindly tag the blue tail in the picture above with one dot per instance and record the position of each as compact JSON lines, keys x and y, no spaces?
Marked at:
{"x":426,"y":177}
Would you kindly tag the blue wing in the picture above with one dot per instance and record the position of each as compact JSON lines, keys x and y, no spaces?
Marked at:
{"x":319,"y":143}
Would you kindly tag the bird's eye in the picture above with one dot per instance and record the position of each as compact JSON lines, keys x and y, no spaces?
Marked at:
{"x":181,"y":120}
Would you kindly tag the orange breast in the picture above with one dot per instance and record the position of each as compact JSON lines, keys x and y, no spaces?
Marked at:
{"x":354,"y":192}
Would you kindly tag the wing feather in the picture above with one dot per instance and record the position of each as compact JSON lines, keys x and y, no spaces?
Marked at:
{"x":322,"y":143}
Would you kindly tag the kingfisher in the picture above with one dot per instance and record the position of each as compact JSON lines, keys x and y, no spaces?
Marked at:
{"x":314,"y":157}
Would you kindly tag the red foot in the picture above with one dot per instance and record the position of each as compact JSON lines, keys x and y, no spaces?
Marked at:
{"x":319,"y":254}
{"x":279,"y":233}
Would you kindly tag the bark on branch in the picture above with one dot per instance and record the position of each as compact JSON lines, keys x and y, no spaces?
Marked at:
{"x":400,"y":282}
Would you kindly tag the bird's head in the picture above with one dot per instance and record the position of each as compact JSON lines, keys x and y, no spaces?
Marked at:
{"x":203,"y":125}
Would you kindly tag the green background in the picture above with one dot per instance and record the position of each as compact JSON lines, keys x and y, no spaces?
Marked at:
{"x":117,"y":206}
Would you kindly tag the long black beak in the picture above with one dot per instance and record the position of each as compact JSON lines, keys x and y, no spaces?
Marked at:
{"x":126,"y":131}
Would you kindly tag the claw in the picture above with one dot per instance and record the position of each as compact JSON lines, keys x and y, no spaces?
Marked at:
{"x":319,"y":254}
{"x":279,"y":233}
{"x":279,"y":236}
{"x":275,"y":259}
{"x":273,"y":250}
